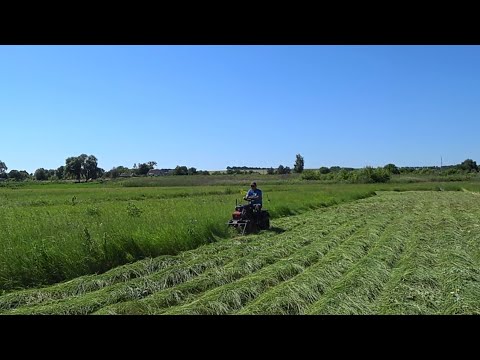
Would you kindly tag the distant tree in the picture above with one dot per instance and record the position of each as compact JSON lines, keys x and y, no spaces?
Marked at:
{"x":299,"y":164}
{"x":100,"y":172}
{"x":144,"y":168}
{"x":25,"y":175}
{"x":180,"y":170}
{"x":90,"y":166}
{"x":115,"y":172}
{"x":334,"y":168}
{"x":83,"y":165}
{"x":324,"y":170}
{"x":283,"y":170}
{"x":270,"y":171}
{"x":17,"y":175}
{"x":60,"y":172}
{"x":192,"y":171}
{"x":392,"y":168}
{"x":3,"y":170}
{"x":469,"y":165}
{"x":73,"y":167}
{"x":41,"y":174}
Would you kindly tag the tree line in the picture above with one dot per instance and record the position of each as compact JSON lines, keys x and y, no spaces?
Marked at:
{"x":85,"y":167}
{"x":383,"y":174}
{"x":298,"y":167}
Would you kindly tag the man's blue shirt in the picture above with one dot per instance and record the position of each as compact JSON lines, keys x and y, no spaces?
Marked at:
{"x":256,"y":192}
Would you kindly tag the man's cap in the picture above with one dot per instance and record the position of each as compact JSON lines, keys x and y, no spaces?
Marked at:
{"x":253,"y":183}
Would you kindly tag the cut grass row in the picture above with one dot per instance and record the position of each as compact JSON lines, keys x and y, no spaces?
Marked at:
{"x":395,"y":253}
{"x":336,"y":225}
{"x":231,"y":249}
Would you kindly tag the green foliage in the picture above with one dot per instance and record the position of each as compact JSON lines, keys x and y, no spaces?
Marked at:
{"x":84,"y":165}
{"x":299,"y":164}
{"x":41,"y":174}
{"x":118,"y":171}
{"x":283,"y":170}
{"x":144,"y":168}
{"x":18,"y":175}
{"x":311,"y":175}
{"x":60,"y":172}
{"x":3,"y":170}
{"x":180,"y":170}
{"x":93,"y":211}
{"x":133,"y":210}
{"x":392,"y":169}
{"x":371,"y":175}
{"x":469,"y":165}
{"x":73,"y":167}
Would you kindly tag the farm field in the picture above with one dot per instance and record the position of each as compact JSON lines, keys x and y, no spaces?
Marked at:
{"x":414,"y":252}
{"x":55,"y":233}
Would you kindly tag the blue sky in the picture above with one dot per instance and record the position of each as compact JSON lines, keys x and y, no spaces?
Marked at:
{"x":216,"y":106}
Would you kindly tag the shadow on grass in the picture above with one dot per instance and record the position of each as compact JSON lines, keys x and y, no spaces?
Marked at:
{"x":276,"y":230}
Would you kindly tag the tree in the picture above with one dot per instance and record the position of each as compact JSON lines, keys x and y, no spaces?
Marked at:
{"x":324,"y":170}
{"x":73,"y":167}
{"x":299,"y":164}
{"x":100,"y":172}
{"x":469,"y":165}
{"x":83,"y":165}
{"x":192,"y":171}
{"x":60,"y":172}
{"x":283,"y":170}
{"x":180,"y":170}
{"x":3,"y":169}
{"x":41,"y":174}
{"x":90,"y":166}
{"x":392,"y":168}
{"x":18,"y":175}
{"x":270,"y":171}
{"x":143,"y":169}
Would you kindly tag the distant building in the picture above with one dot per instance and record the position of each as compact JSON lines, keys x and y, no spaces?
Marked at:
{"x":159,"y":172}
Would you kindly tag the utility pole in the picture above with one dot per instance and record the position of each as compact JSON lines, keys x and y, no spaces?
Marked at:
{"x":441,"y":163}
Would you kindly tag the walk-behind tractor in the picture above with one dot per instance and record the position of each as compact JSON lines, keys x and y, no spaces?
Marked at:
{"x":249,"y":218}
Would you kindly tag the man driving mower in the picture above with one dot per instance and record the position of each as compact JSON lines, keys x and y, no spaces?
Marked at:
{"x":254,"y":195}
{"x":250,"y":218}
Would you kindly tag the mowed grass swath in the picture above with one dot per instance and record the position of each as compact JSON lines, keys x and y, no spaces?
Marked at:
{"x":394,"y":253}
{"x":54,"y":233}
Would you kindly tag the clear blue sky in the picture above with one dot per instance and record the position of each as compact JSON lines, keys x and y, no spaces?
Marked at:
{"x":216,"y":106}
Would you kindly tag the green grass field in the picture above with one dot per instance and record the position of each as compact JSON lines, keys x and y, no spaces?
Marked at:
{"x":414,"y":252}
{"x":58,"y":232}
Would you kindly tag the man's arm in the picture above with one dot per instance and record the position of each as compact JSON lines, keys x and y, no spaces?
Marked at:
{"x":250,"y":195}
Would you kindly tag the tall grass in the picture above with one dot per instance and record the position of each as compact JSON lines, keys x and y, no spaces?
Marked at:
{"x":54,"y":234}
